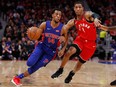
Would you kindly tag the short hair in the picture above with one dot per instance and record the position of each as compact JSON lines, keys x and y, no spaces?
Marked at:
{"x":79,"y":2}
{"x":58,"y":9}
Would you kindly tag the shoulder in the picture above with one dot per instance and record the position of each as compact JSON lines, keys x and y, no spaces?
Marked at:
{"x":70,"y":22}
{"x":46,"y":22}
{"x":42,"y":25}
{"x":88,"y":16}
{"x":88,"y":13}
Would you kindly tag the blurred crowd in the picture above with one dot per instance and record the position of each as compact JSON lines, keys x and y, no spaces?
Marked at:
{"x":21,"y":14}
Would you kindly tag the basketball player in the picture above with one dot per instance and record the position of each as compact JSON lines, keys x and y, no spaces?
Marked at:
{"x":45,"y":51}
{"x":85,"y":43}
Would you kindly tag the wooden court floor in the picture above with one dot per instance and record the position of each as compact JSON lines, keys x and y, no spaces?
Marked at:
{"x":92,"y":74}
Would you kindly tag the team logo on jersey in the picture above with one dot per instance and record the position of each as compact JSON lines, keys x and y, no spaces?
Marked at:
{"x":48,"y":28}
{"x":46,"y":61}
{"x":57,"y":30}
{"x":51,"y":35}
{"x":84,"y":25}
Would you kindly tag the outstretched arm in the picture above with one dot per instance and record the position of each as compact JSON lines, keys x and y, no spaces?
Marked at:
{"x":106,"y":28}
{"x":112,"y":28}
{"x":91,"y":16}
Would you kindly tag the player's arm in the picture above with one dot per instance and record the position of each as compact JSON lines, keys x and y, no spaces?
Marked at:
{"x":107,"y":28}
{"x":65,"y":29}
{"x":92,"y":17}
{"x":42,"y":27}
{"x":65,"y":34}
{"x":63,"y":40}
{"x":112,"y":28}
{"x":69,"y":24}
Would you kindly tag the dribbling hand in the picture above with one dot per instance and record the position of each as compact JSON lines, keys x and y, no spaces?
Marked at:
{"x":62,"y":39}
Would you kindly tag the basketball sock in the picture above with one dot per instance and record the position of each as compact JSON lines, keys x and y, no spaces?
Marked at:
{"x":21,"y":76}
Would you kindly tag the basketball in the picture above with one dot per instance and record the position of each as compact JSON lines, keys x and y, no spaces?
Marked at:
{"x":33,"y":33}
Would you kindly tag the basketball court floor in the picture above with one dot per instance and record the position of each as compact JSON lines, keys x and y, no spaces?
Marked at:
{"x":92,"y":74}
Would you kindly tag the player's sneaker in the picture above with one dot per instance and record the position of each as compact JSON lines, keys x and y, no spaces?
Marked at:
{"x":16,"y":81}
{"x":69,"y":77}
{"x":57,"y":73}
{"x":113,"y":83}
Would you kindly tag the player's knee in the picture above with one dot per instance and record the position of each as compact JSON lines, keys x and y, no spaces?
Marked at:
{"x":75,"y":49}
{"x":30,"y":63}
{"x":71,"y":51}
{"x":30,"y":71}
{"x":68,"y":53}
{"x":35,"y":67}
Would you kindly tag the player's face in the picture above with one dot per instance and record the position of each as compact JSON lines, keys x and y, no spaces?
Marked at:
{"x":56,"y":16}
{"x":78,"y":8}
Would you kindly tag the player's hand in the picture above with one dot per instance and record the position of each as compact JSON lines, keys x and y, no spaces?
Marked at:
{"x":97,"y":22}
{"x":60,"y":53}
{"x":62,"y":39}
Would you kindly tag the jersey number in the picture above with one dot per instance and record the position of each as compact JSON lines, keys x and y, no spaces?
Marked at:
{"x":51,"y":40}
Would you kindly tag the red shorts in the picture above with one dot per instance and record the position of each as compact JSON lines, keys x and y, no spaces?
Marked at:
{"x":87,"y":48}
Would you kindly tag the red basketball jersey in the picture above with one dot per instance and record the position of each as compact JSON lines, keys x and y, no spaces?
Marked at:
{"x":85,"y":29}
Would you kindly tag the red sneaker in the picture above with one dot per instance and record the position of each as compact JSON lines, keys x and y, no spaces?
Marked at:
{"x":16,"y":81}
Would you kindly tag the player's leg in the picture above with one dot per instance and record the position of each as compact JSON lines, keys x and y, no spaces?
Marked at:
{"x":32,"y":60}
{"x":41,"y":63}
{"x":72,"y":50}
{"x":83,"y":57}
{"x":45,"y":59}
{"x":76,"y":68}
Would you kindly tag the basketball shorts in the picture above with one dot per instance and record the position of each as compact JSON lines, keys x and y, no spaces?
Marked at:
{"x":87,"y":48}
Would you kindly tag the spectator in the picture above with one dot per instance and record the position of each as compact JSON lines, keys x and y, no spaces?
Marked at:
{"x":6,"y":52}
{"x":15,"y":51}
{"x":102,"y":37}
{"x":21,"y":15}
